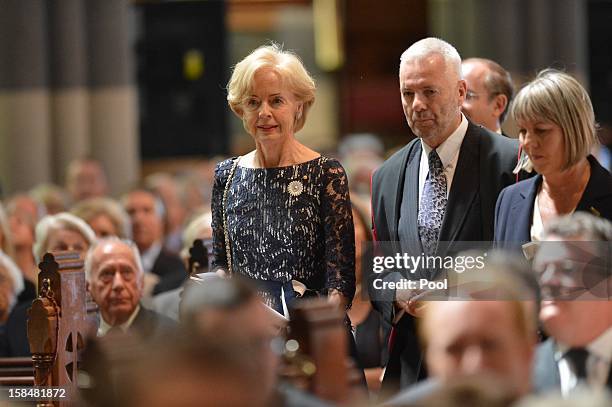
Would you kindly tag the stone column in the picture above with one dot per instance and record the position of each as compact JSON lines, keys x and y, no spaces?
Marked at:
{"x":25,"y":135}
{"x":113,"y":104}
{"x":524,"y":36}
{"x":69,"y":95}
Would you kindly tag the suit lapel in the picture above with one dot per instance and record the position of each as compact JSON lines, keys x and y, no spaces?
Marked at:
{"x":521,"y":212}
{"x":142,"y":323}
{"x":408,"y":178}
{"x":464,"y":188}
{"x":594,"y":191}
{"x":546,"y":372}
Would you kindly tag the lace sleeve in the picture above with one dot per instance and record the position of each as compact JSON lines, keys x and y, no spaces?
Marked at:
{"x":216,"y":205}
{"x":339,"y":231}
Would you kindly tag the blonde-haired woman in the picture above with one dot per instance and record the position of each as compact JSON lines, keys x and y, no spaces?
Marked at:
{"x":105,"y":216}
{"x":281,"y":212}
{"x":557,"y":131}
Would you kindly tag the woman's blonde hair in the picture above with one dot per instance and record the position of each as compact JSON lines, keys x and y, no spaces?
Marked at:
{"x":286,"y":65}
{"x":557,"y":97}
{"x":92,"y":207}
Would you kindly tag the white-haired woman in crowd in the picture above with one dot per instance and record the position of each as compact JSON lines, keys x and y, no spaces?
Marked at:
{"x":13,"y":314}
{"x":11,"y":285}
{"x":62,"y":232}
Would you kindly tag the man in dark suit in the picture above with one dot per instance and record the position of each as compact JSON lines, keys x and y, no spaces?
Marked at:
{"x":573,"y":262}
{"x":115,"y":281}
{"x":164,"y":271}
{"x":441,"y":187}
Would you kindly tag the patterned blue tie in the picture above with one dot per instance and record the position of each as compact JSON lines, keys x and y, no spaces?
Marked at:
{"x":433,"y":204}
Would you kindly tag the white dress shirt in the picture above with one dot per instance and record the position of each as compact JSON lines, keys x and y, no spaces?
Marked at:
{"x":448,"y":152}
{"x":537,"y":227}
{"x":597,"y":364}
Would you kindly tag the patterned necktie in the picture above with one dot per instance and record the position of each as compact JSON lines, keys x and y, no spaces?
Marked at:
{"x":433,"y":204}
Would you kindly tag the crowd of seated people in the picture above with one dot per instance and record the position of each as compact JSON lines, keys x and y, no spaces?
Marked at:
{"x":212,"y":340}
{"x":470,"y":346}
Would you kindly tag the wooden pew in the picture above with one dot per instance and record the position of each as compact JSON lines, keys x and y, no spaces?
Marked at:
{"x":58,"y":323}
{"x":316,"y":352}
{"x":17,"y":371}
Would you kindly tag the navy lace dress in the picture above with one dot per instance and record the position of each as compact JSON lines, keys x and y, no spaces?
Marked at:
{"x":286,"y":223}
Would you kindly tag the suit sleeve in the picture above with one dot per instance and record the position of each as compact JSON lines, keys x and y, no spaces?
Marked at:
{"x":500,"y":221}
{"x":382,"y":300}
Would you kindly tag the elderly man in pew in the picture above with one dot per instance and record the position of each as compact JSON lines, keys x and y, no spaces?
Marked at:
{"x":115,"y":280}
{"x":221,"y":354}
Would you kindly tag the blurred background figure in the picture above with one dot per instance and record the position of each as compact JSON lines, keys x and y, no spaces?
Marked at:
{"x":24,"y":203}
{"x":86,"y":178}
{"x":164,"y":270}
{"x":167,"y":303}
{"x":11,"y":285}
{"x":23,"y":212}
{"x":360,"y":155}
{"x":6,"y":239}
{"x":603,"y":152}
{"x":165,"y":185}
{"x":488,"y":329}
{"x":466,"y":338}
{"x":105,"y":216}
{"x":192,"y":371}
{"x":576,"y":399}
{"x":53,"y":197}
{"x":231,"y":311}
{"x":62,"y":232}
{"x":196,"y":186}
{"x":231,"y":307}
{"x":479,"y":390}
{"x":200,"y":227}
{"x":489,"y":92}
{"x":579,"y":351}
{"x":369,"y":329}
{"x":59,"y":232}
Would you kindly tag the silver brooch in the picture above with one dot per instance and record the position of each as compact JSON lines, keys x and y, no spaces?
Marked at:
{"x":295,"y":188}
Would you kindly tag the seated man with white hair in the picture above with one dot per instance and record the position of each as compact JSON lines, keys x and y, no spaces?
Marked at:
{"x":115,"y":280}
